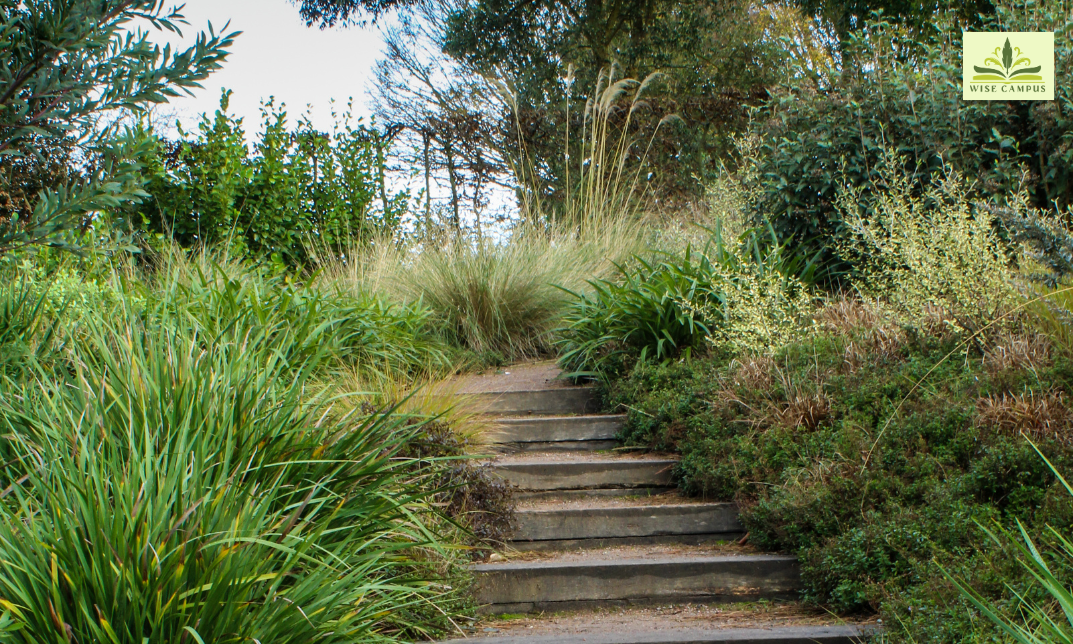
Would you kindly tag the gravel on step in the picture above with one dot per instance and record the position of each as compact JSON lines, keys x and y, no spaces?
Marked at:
{"x":759,"y":614}
{"x":666,"y":498}
{"x":521,"y":377}
{"x":620,"y":553}
{"x":580,"y":457}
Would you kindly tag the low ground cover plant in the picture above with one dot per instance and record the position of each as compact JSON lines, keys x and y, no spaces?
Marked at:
{"x":809,"y":443}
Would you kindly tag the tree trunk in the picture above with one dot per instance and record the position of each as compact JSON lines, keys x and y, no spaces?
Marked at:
{"x":428,"y":185}
{"x":452,"y":179}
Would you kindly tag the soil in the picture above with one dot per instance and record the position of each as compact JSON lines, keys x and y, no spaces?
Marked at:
{"x":582,"y":457}
{"x":530,"y":376}
{"x":668,"y":498}
{"x":619,"y":553}
{"x":761,"y":614}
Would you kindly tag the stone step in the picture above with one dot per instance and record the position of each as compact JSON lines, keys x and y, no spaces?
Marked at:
{"x":558,"y":433}
{"x":590,"y":493}
{"x":542,"y":474}
{"x":836,"y":634}
{"x":550,"y":402}
{"x":600,"y":581}
{"x":554,"y":528}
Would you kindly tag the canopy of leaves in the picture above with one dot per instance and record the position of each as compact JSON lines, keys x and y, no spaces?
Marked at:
{"x":329,"y":13}
{"x":68,"y":66}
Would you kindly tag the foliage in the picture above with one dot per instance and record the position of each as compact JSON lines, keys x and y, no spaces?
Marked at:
{"x":453,"y":429}
{"x":67,"y":65}
{"x":329,"y":13}
{"x":1045,"y":238}
{"x":441,"y":122}
{"x":299,"y":189}
{"x":809,"y":443}
{"x":607,"y":176}
{"x":926,"y":250}
{"x":655,"y":309}
{"x":705,"y":64}
{"x":170,"y":475}
{"x":1045,"y":627}
{"x":25,"y":332}
{"x":826,"y":129}
{"x":469,"y":492}
{"x":748,"y":293}
{"x":846,"y":15}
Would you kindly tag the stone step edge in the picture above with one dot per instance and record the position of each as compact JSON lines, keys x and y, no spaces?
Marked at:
{"x":625,"y":509}
{"x":573,"y":446}
{"x":532,"y":432}
{"x":537,"y":402}
{"x":836,"y":634}
{"x":512,"y":463}
{"x":548,"y":496}
{"x":562,"y":545}
{"x":563,"y":584}
{"x":512,"y":420}
{"x":632,"y":563}
{"x":568,"y":474}
{"x":626,"y":521}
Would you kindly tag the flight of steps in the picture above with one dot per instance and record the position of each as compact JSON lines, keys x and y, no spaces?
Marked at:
{"x":610,"y":532}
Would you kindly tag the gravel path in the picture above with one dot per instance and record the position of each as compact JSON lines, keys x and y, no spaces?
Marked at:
{"x":530,"y":376}
{"x":690,"y":616}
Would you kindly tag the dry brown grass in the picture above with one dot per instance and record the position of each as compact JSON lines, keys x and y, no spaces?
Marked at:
{"x":1017,"y":350}
{"x":773,"y":398}
{"x":1036,"y":415}
{"x":844,"y":315}
{"x":754,"y":372}
{"x":869,"y":332}
{"x":802,"y":408}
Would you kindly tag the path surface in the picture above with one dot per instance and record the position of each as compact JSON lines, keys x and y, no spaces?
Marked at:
{"x":606,"y":551}
{"x":523,"y":377}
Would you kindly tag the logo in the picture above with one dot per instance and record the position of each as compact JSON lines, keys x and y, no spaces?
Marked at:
{"x":1008,"y":66}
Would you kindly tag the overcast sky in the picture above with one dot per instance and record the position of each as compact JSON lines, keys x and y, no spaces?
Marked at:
{"x":277,"y":55}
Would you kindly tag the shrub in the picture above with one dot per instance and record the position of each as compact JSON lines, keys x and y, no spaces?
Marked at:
{"x":655,"y":310}
{"x":737,"y":296}
{"x":299,"y":188}
{"x":927,"y":252}
{"x":69,"y":66}
{"x":820,"y":133}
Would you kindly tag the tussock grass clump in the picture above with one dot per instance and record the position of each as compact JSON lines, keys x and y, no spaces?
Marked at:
{"x":1025,"y":350}
{"x":451,"y":429}
{"x":501,"y":298}
{"x":870,"y":331}
{"x":1040,"y":415}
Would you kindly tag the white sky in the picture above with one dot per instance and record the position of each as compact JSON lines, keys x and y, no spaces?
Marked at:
{"x":277,"y":55}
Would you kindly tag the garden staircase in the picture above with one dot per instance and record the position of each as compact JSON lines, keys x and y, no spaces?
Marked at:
{"x":599,"y":529}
